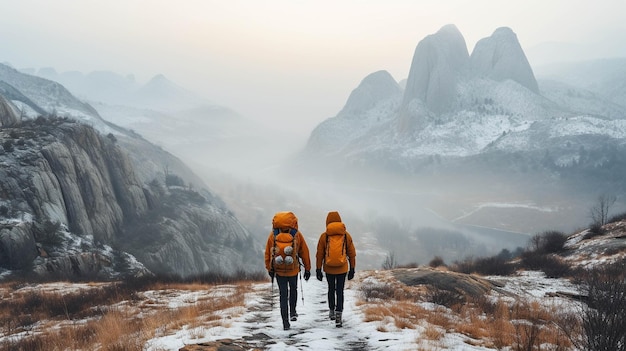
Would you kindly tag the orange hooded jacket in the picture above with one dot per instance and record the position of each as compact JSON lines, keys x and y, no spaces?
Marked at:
{"x":285,"y":221}
{"x":334,"y":226}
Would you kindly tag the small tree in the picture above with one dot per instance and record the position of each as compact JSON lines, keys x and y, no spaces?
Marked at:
{"x":600,"y":211}
{"x":390,"y":261}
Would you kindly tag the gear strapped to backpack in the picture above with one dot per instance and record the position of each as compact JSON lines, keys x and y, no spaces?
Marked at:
{"x":285,"y":252}
{"x":336,"y":250}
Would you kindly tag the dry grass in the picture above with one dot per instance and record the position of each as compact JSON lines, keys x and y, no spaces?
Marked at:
{"x":125,"y":320}
{"x":502,"y":324}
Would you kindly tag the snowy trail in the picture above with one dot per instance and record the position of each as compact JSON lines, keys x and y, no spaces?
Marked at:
{"x":313,"y":330}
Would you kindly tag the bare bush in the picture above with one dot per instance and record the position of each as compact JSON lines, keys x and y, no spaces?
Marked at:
{"x":603,"y":322}
{"x":371,"y":291}
{"x":390,"y":261}
{"x":445,"y":297}
{"x":600,"y":211}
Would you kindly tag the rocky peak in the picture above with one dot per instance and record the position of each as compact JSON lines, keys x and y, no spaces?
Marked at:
{"x":438,"y":63}
{"x":374,"y":88}
{"x":500,"y":57}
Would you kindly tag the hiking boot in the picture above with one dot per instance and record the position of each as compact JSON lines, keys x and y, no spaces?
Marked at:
{"x":338,"y":321}
{"x":331,"y":315}
{"x":294,"y":317}
{"x":286,"y":325}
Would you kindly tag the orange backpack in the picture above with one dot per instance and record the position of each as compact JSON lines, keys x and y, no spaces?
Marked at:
{"x":285,"y":251}
{"x":336,"y":250}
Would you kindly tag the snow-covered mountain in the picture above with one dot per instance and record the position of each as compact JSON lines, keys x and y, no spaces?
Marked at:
{"x":455,"y":104}
{"x":480,"y":121}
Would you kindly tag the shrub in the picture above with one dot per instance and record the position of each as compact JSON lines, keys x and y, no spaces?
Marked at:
{"x":594,"y":230}
{"x":437,"y":261}
{"x":371,"y":291}
{"x":552,"y":266}
{"x":112,"y":137}
{"x":553,"y":241}
{"x":445,"y":297}
{"x":548,"y":242}
{"x":495,"y":265}
{"x":603,"y":322}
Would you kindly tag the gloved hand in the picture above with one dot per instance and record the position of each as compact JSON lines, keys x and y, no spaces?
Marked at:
{"x":351,"y":274}
{"x":271,"y":273}
{"x":319,"y":274}
{"x":307,"y":275}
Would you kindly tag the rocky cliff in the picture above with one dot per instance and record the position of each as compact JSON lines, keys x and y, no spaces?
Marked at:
{"x":69,"y":195}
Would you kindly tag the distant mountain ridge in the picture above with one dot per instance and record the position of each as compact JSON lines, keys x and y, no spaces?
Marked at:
{"x":159,"y":93}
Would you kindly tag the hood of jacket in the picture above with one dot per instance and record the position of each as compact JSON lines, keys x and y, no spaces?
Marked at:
{"x":285,"y":220}
{"x":334,"y":226}
{"x":333,"y":217}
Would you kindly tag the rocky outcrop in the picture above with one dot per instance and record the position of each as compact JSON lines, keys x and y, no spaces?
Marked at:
{"x":459,"y":283}
{"x":8,"y":115}
{"x":17,"y":246}
{"x":439,"y":61}
{"x":500,"y":57}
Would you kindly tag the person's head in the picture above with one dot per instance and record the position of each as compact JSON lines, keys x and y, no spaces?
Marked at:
{"x":332,"y":217}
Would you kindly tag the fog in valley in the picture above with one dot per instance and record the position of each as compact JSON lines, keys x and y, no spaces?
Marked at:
{"x":235,"y":91}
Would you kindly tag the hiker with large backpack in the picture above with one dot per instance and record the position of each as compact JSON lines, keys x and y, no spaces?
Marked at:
{"x":284,"y":249}
{"x":337,"y":256}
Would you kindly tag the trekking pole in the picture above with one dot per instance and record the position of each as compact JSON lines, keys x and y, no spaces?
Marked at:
{"x":301,"y":288}
{"x":272,"y":292}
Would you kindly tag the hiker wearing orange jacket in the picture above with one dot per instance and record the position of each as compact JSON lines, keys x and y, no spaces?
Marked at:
{"x":284,"y":250}
{"x":336,"y":255}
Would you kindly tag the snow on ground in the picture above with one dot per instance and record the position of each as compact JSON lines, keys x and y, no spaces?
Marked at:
{"x":315,"y":331}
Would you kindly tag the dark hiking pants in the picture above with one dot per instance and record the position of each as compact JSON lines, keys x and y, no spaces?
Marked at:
{"x":288,"y":288}
{"x":336,"y":283}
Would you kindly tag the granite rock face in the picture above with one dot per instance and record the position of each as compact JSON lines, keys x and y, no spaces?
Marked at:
{"x":501,"y":57}
{"x":439,"y":62}
{"x":66,"y":176}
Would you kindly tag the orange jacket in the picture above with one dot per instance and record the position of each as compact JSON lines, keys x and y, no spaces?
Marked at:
{"x":334,"y":226}
{"x":287,"y":220}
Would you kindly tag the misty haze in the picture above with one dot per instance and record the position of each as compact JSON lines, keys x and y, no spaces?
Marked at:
{"x":466,"y":156}
{"x":476,"y":152}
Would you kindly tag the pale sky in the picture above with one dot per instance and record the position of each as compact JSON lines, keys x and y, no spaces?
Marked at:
{"x":281,"y":60}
